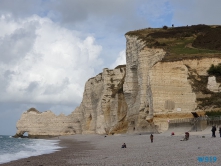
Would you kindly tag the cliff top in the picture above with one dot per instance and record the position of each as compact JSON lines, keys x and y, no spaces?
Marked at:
{"x":194,"y":41}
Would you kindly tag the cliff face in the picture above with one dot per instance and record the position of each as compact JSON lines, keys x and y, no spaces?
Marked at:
{"x":102,"y":110}
{"x":139,"y":97}
{"x":137,"y":88}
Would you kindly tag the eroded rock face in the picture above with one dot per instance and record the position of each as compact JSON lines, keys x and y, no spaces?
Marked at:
{"x":39,"y":124}
{"x":103,"y":110}
{"x":178,"y":89}
{"x":137,"y":88}
{"x":213,"y":85}
{"x":139,"y":97}
{"x":171,"y":89}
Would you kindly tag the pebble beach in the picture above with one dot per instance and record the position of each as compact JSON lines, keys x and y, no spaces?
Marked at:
{"x":106,"y":151}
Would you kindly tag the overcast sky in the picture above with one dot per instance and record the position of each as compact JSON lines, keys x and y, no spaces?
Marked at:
{"x":50,"y":48}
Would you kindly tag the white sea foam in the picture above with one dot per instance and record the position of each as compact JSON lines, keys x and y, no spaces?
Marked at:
{"x":31,"y":148}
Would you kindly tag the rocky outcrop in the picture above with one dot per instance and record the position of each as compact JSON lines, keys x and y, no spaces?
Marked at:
{"x":137,"y":88}
{"x":213,"y":85}
{"x":103,"y":110}
{"x":45,"y":124}
{"x":139,"y":97}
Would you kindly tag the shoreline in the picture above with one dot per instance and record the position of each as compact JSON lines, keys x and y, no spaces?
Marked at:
{"x":69,"y":149}
{"x":101,"y":150}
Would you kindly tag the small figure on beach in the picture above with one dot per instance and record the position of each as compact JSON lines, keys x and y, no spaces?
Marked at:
{"x":213,"y":131}
{"x":151,"y":138}
{"x":186,"y":137}
{"x":124,"y":146}
{"x":172,"y":134}
{"x":220,"y":131}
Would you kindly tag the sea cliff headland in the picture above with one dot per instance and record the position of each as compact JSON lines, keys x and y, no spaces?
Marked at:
{"x":165,"y":78}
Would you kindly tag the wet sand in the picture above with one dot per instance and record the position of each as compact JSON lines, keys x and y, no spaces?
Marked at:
{"x":100,"y":150}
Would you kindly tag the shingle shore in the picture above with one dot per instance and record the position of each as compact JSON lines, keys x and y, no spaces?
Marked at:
{"x":101,"y":150}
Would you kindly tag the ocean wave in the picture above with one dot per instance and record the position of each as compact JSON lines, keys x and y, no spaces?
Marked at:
{"x":31,"y":148}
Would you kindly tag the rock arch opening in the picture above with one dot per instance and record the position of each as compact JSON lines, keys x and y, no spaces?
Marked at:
{"x":25,"y":134}
{"x":22,"y":134}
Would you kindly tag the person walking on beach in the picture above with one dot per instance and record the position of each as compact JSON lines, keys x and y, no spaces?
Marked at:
{"x":187,"y":135}
{"x":151,"y":138}
{"x":220,"y":131}
{"x":213,"y":131}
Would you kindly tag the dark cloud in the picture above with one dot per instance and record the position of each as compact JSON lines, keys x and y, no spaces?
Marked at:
{"x":32,"y":86}
{"x":8,"y":74}
{"x":23,"y":8}
{"x":80,"y":10}
{"x":56,"y":89}
{"x":16,"y":45}
{"x":196,"y":12}
{"x":115,"y":14}
{"x":119,"y":14}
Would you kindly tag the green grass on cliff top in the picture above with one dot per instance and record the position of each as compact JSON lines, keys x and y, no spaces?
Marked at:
{"x":183,"y":42}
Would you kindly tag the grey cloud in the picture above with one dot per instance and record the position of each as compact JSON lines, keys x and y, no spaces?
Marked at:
{"x":73,"y":11}
{"x":8,"y":73}
{"x":16,"y":45}
{"x":79,"y":10}
{"x":117,"y":15}
{"x":32,"y":86}
{"x":56,"y":89}
{"x":23,"y":8}
{"x":197,"y":12}
{"x":3,"y":85}
{"x":4,"y":81}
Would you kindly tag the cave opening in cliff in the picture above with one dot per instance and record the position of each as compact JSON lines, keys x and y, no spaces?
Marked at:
{"x":25,"y":134}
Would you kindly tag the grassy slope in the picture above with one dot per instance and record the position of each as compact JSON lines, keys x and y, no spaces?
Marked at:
{"x":183,"y":42}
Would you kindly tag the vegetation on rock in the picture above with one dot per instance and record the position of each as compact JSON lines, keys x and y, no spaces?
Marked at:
{"x":185,"y":42}
{"x":214,"y":101}
{"x":165,"y":27}
{"x":215,"y":70}
{"x":213,"y":113}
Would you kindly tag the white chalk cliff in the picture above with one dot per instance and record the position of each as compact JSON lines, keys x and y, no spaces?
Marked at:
{"x":138,"y":97}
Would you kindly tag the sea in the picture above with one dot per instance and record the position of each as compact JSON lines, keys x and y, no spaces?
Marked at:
{"x":17,"y":148}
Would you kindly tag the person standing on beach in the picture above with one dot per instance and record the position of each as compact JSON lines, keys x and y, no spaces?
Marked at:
{"x":213,"y":131}
{"x":151,"y":138}
{"x":220,"y":131}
